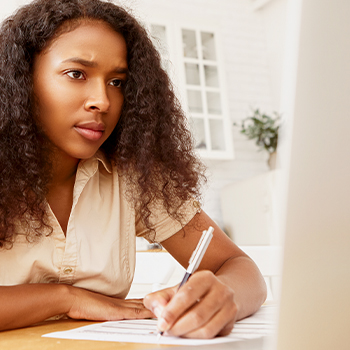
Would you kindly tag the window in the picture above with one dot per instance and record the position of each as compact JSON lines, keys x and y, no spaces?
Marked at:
{"x":199,"y":78}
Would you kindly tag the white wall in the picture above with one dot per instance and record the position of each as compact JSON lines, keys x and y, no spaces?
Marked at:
{"x":7,"y":7}
{"x":274,"y":24}
{"x":252,"y":47}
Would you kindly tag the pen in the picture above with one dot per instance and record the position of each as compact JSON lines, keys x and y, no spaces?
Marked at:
{"x":195,"y":259}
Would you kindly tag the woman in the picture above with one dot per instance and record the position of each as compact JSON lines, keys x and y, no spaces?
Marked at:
{"x":93,"y":151}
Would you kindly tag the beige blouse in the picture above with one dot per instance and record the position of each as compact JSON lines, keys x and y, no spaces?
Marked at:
{"x":98,"y":251}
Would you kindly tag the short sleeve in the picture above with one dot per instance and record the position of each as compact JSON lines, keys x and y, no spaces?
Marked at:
{"x":163,"y":226}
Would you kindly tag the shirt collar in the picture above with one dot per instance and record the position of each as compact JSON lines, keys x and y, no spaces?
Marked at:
{"x":90,"y":166}
{"x":100,"y":156}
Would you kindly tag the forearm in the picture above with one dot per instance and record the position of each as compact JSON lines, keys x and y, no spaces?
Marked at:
{"x":243,"y":276}
{"x":26,"y":304}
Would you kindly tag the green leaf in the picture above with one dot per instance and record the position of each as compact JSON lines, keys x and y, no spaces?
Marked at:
{"x":263,"y":128}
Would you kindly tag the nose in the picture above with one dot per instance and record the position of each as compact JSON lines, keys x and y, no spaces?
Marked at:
{"x":97,"y":98}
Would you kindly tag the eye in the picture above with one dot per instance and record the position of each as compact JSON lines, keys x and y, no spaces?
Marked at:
{"x":116,"y":82}
{"x":76,"y":74}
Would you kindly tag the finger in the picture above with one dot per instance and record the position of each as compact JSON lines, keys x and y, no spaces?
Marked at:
{"x":227,"y":329}
{"x":131,"y":312}
{"x":218,"y":298}
{"x":130,"y":309}
{"x":214,"y":326}
{"x":214,"y":314}
{"x":158,"y":300}
{"x":135,"y":300}
{"x":131,"y":303}
{"x":187,"y":296}
{"x":196,"y":316}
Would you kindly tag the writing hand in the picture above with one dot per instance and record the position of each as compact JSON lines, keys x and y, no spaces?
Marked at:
{"x":203,"y":308}
{"x":97,"y":307}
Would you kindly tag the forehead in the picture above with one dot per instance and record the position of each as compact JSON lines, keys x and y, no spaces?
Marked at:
{"x":88,"y":39}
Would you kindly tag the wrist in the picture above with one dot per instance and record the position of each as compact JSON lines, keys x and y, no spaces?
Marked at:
{"x":66,"y":297}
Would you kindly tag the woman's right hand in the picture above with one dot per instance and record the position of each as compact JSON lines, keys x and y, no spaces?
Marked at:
{"x":97,"y":307}
{"x":26,"y":304}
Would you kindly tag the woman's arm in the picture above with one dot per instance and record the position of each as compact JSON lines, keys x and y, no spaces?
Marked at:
{"x":227,"y":287}
{"x":26,"y":304}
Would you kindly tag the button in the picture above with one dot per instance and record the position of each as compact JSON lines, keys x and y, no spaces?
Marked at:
{"x":67,"y":270}
{"x":197,"y":206}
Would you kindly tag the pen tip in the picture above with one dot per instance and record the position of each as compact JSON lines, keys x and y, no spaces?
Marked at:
{"x":159,"y":335}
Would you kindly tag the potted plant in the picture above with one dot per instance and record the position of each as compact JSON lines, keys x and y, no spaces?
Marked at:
{"x":264,"y":129}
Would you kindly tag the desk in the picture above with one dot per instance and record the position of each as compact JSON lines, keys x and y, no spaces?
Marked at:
{"x":30,"y":338}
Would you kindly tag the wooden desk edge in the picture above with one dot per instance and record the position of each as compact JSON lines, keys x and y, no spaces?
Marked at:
{"x":31,"y":338}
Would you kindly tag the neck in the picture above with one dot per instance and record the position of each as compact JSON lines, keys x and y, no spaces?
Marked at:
{"x":64,"y":169}
{"x":60,"y":190}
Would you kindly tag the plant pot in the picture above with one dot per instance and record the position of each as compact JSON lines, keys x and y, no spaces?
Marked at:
{"x":272,"y":160}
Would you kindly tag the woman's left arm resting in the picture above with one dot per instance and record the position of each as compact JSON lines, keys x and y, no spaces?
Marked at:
{"x":227,"y":287}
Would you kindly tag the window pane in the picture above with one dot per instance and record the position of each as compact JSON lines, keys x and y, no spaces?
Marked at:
{"x":208,"y":46}
{"x":189,"y":43}
{"x":192,"y":74}
{"x":214,"y":103}
{"x":194,"y":100}
{"x":211,"y":76}
{"x":197,"y":128}
{"x":217,"y":135}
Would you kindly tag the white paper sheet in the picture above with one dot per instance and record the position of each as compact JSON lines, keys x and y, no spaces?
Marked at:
{"x":145,"y":331}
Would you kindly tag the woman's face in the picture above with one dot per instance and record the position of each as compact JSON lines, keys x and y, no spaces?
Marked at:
{"x":78,"y":83}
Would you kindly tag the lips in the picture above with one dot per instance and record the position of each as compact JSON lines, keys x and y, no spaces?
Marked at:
{"x":91,"y":131}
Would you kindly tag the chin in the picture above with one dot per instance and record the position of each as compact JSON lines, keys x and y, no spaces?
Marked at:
{"x":87,"y":156}
{"x":84,"y":154}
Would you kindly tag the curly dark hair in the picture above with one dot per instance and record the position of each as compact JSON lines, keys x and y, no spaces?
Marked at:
{"x":151,"y":144}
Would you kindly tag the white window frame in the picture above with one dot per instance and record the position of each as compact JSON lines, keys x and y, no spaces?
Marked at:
{"x":178,"y":76}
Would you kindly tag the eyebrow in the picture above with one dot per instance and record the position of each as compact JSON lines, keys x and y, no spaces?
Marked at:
{"x":92,"y":64}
